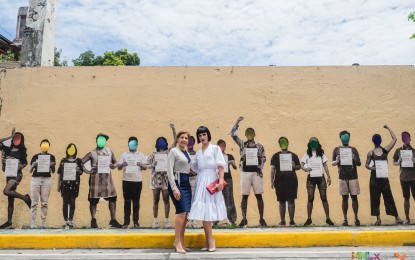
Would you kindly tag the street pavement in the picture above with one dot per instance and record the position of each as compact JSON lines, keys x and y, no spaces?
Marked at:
{"x":221,"y":253}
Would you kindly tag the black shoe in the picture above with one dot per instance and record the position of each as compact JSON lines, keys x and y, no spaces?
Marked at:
{"x":357,"y":222}
{"x":345,"y":223}
{"x":6,"y":225}
{"x":243,"y":223}
{"x":262,"y":223}
{"x":28,"y":201}
{"x":94,"y":223}
{"x":136,"y":226}
{"x":292,"y":223}
{"x":114,"y":224}
{"x":282,"y":223}
{"x":308,"y":222}
{"x":329,"y":222}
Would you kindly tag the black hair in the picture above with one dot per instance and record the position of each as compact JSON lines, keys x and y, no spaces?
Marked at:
{"x":45,"y":140}
{"x":344,"y":132}
{"x":69,"y":146}
{"x":132,"y":138}
{"x":220,"y":141}
{"x":404,"y":132}
{"x":319,"y":149}
{"x":22,"y":148}
{"x":161,"y":137}
{"x":201,"y":130}
{"x":192,"y":138}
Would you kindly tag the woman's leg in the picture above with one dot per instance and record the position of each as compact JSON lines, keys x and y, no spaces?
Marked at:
{"x":355,"y":206}
{"x":44,"y":198}
{"x":388,"y":200}
{"x":375,"y":192}
{"x":283,"y":207}
{"x":210,"y":242}
{"x":10,"y":190}
{"x":310,"y":201}
{"x":178,"y":231}
{"x":156,"y":199}
{"x":10,"y":209}
{"x":345,"y":207}
{"x":136,"y":203}
{"x":184,"y":229}
{"x":166,"y":202}
{"x":323,"y":197}
{"x":65,"y":207}
{"x":291,"y":210}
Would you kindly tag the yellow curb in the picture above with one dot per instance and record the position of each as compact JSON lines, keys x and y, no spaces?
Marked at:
{"x":196,"y":240}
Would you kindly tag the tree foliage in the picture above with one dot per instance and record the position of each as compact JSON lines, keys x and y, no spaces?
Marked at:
{"x":119,"y":58}
{"x":7,"y":56}
{"x":411,"y":17}
{"x":57,"y":61}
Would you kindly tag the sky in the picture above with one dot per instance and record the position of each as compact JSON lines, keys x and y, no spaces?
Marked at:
{"x":234,"y":33}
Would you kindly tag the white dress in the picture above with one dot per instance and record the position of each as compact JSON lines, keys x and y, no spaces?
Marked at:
{"x":207,"y":207}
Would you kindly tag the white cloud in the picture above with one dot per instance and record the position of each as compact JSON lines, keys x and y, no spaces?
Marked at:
{"x":243,"y":32}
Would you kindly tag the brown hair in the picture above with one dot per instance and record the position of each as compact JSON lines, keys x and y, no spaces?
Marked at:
{"x":182,"y":133}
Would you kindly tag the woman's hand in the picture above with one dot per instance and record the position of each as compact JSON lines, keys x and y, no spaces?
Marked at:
{"x":220,"y":185}
{"x":328,"y":181}
{"x":176,"y":194}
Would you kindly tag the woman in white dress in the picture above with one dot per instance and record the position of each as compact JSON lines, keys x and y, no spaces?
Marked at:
{"x":209,"y":165}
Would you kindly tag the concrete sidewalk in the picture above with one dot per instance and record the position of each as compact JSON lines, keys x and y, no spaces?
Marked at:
{"x":225,"y":238}
{"x":316,"y":253}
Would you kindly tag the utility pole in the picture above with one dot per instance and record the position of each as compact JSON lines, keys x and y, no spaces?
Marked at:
{"x":38,"y":48}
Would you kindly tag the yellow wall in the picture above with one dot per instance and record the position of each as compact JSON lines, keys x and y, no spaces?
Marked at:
{"x":74,"y":104}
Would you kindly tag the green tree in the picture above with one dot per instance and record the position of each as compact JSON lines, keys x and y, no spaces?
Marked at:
{"x":119,"y":58}
{"x":411,"y":17}
{"x":57,"y":61}
{"x":7,"y":56}
{"x":87,"y":59}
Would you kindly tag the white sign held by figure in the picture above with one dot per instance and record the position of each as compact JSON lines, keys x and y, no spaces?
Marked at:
{"x":251,"y":156}
{"x":43,"y":163}
{"x":316,"y":167}
{"x":104,"y":164}
{"x":11,"y":167}
{"x":346,"y":157}
{"x":69,"y":172}
{"x":286,"y":164}
{"x":161,"y":159}
{"x":407,"y":156}
{"x":381,"y":168}
{"x":132,"y":169}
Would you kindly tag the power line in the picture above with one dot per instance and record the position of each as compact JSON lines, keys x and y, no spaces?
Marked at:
{"x":6,"y":31}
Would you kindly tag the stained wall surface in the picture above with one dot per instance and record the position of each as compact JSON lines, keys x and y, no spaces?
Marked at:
{"x":73,"y":104}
